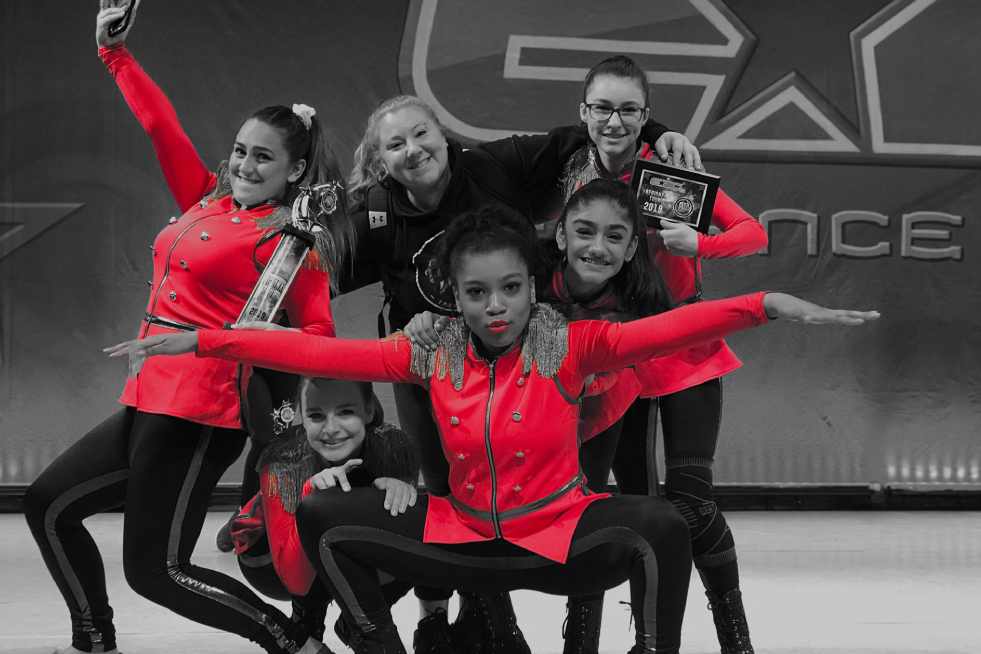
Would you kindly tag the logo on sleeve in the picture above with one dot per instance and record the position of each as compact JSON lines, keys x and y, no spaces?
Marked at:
{"x":377,"y":219}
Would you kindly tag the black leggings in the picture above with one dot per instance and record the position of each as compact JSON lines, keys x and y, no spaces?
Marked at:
{"x":416,"y":419}
{"x":161,"y":470}
{"x":309,"y":610}
{"x":690,"y":420}
{"x":641,"y":539}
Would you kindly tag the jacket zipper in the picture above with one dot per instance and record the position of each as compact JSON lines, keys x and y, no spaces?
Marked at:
{"x":495,"y":519}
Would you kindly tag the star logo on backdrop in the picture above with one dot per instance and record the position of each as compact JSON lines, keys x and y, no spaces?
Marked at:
{"x":814,"y":81}
{"x":21,"y":222}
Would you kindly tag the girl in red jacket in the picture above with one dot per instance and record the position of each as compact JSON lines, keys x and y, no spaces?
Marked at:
{"x":161,"y":456}
{"x":684,"y":388}
{"x":342,"y":439}
{"x":503,"y":384}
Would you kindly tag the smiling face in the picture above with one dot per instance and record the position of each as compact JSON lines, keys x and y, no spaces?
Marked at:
{"x":493,"y":291}
{"x":597,"y":238}
{"x":259,"y":167}
{"x":413,"y":149}
{"x":334,"y":416}
{"x":614,"y":137}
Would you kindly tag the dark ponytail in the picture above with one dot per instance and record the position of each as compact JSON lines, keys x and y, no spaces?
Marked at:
{"x":335,"y":244}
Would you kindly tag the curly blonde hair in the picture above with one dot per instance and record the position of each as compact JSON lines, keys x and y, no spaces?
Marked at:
{"x":367,"y":169}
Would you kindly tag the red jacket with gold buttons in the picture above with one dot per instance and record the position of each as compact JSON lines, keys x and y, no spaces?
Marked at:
{"x":508,"y":432}
{"x":204,"y":267}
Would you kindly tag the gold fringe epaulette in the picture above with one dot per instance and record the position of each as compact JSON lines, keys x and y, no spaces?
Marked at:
{"x":288,"y":463}
{"x":324,"y":250}
{"x":545,"y":344}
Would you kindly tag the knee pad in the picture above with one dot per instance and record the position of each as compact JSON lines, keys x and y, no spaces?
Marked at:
{"x":689,"y":488}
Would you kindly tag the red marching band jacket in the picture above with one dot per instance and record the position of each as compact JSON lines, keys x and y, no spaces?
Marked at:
{"x":508,"y":426}
{"x":740,"y":235}
{"x":204,"y":267}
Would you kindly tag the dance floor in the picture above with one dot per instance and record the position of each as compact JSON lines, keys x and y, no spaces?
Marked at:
{"x":813,"y":582}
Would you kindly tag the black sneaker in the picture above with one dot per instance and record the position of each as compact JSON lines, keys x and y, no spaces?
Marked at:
{"x":432,"y":635}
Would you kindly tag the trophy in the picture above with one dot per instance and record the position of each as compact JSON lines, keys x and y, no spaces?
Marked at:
{"x":310,"y":208}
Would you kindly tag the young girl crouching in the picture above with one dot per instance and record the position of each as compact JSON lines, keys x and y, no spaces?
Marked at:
{"x":341,"y":439}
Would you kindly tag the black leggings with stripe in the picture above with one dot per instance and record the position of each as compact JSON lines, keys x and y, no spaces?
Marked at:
{"x":690,"y":420}
{"x":161,"y":470}
{"x":642,"y":540}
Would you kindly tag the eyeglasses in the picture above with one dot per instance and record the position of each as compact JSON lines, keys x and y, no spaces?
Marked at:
{"x":604,"y":112}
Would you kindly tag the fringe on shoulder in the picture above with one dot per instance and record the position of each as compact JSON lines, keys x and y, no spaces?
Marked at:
{"x":545,"y":345}
{"x":287,"y":464}
{"x":323,"y":253}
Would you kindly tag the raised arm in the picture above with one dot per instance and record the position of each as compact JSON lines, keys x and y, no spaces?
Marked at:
{"x":187,"y":176}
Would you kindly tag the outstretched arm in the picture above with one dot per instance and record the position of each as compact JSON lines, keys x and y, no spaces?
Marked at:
{"x":187,"y":176}
{"x":610,"y":346}
{"x":386,"y":360}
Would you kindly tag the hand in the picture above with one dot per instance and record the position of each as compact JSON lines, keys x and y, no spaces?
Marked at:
{"x":680,"y":149}
{"x":139,"y":349}
{"x":424,"y":329}
{"x":679,"y":238}
{"x":788,"y":307}
{"x":336,"y":476}
{"x":259,"y":324}
{"x":109,"y":12}
{"x":399,"y":495}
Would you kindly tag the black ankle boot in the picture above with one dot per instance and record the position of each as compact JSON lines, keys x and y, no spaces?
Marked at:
{"x":730,"y":622}
{"x":432,"y":635}
{"x":486,"y":624}
{"x":581,"y":630}
{"x":381,"y":640}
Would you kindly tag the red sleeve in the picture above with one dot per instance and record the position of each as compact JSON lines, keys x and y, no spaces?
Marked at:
{"x":385,"y":360}
{"x":741,"y":233}
{"x":288,"y":558}
{"x":603,"y":346}
{"x":308,"y":302}
{"x":600,"y":412}
{"x":189,"y":179}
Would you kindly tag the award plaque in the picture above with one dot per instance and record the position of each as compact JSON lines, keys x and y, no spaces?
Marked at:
{"x":677,"y":194}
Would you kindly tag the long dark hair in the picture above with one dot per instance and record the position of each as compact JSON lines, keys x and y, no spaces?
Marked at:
{"x":335,"y":245}
{"x":638,"y":285}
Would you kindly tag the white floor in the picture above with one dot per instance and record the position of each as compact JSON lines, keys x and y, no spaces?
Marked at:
{"x":813,"y":583}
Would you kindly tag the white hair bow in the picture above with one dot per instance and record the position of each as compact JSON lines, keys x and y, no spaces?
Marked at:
{"x":305,"y":113}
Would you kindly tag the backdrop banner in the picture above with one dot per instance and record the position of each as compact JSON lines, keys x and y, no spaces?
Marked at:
{"x":849,"y":128}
